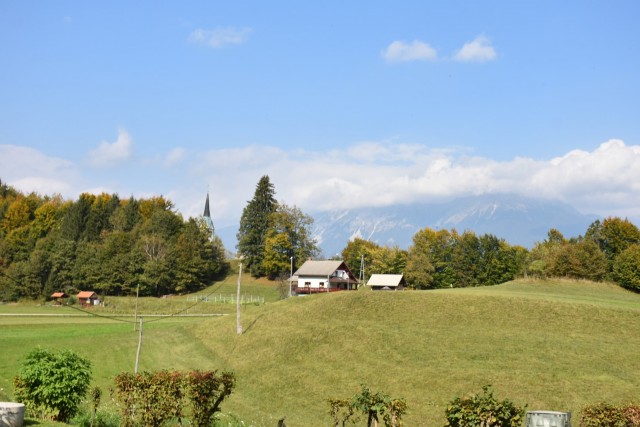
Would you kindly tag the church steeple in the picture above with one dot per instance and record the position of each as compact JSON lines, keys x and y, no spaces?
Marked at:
{"x":206,"y":213}
{"x":207,"y":216}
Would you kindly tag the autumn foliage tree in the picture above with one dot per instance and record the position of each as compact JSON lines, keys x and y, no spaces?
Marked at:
{"x":374,"y":258}
{"x":288,"y":240}
{"x":102,"y":243}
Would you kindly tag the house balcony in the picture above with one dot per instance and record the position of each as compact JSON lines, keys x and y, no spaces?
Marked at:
{"x":306,"y":290}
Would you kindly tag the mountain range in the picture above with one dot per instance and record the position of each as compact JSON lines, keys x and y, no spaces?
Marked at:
{"x":516,"y":219}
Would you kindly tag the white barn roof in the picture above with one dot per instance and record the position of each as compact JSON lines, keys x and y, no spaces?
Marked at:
{"x":388,"y":280}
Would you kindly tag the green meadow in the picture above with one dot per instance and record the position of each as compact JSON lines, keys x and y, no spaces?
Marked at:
{"x":553,"y":345}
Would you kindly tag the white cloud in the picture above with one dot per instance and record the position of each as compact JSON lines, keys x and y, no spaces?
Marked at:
{"x":174,"y":157}
{"x":29,"y":170}
{"x":604,"y":181}
{"x":220,"y":37}
{"x":111,"y":153}
{"x":478,"y":50}
{"x":399,"y":51}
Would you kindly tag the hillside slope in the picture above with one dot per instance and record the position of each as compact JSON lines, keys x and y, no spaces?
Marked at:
{"x":553,"y":345}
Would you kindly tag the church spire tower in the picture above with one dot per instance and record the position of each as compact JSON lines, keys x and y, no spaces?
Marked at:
{"x":207,"y":215}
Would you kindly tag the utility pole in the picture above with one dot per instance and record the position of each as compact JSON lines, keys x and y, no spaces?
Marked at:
{"x":135,"y":318}
{"x":290,"y":276}
{"x":238,"y":325}
{"x":139,"y":347}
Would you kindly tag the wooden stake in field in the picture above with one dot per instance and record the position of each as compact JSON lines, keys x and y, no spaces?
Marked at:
{"x":239,"y":326}
{"x":139,"y":347}
{"x":135,"y":318}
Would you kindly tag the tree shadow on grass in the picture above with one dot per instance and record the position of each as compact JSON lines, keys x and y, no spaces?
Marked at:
{"x":41,"y":423}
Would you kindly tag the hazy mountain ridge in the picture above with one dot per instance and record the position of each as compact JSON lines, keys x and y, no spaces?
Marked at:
{"x":518,"y":220}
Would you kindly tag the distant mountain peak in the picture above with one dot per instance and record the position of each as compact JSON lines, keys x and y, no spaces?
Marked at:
{"x":517,"y":219}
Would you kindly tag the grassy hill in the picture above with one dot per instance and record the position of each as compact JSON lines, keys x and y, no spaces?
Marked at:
{"x":555,"y":345}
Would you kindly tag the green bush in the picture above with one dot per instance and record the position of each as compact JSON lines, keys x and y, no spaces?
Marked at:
{"x":376,"y":407}
{"x":607,"y":415}
{"x":52,"y":385}
{"x":483,"y":410}
{"x":626,"y":268}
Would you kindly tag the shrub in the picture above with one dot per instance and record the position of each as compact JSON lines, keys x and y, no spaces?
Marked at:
{"x":607,"y":415}
{"x":52,"y":385}
{"x":626,"y":268}
{"x":483,"y":410}
{"x":341,"y":412}
{"x":151,"y":399}
{"x":375,"y":406}
{"x":206,"y":391}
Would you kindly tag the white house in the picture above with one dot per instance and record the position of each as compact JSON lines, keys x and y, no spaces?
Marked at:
{"x":386,"y":282}
{"x":323,"y":276}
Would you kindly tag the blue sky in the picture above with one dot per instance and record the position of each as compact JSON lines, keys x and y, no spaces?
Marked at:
{"x":341,"y":103}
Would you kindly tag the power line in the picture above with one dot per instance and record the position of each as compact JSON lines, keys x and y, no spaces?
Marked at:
{"x":99,"y":315}
{"x":191,"y":306}
{"x":118,"y":318}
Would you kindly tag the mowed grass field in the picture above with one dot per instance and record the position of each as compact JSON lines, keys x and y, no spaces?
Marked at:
{"x":553,"y":345}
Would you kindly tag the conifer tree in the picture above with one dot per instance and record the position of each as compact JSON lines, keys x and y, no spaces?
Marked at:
{"x":254,"y":225}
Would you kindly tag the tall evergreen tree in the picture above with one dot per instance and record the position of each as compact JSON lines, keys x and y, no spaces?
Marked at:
{"x":75,"y":218}
{"x":254,"y":225}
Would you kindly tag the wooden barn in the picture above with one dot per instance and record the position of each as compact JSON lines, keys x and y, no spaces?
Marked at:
{"x":88,"y":298}
{"x":59,"y":298}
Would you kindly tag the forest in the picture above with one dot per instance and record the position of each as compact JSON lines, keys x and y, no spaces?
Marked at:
{"x":102,"y":243}
{"x":609,"y":250}
{"x":116,"y":246}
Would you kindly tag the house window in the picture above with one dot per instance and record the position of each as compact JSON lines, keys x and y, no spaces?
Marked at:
{"x":307,"y":283}
{"x":322,"y":284}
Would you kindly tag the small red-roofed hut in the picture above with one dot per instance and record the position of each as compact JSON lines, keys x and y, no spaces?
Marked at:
{"x":88,"y":298}
{"x":59,"y":298}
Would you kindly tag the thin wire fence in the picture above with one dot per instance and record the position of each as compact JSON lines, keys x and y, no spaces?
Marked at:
{"x":227,"y":299}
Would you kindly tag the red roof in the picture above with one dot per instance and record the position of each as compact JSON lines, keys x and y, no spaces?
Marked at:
{"x":58,"y":295}
{"x":87,"y":294}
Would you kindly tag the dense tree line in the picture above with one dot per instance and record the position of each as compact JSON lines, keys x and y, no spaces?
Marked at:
{"x":442,"y":259}
{"x":609,"y":250}
{"x":101,"y":243}
{"x":111,"y":246}
{"x":273,"y":236}
{"x":374,"y":259}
